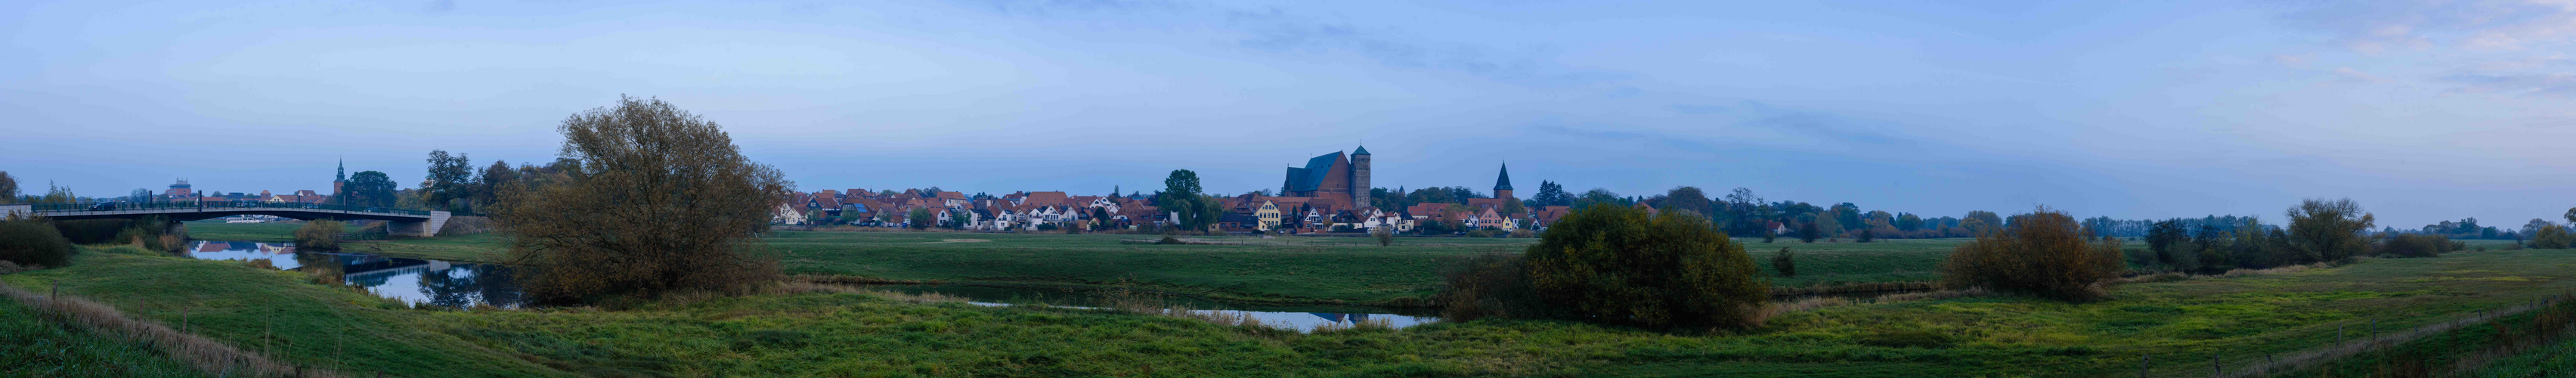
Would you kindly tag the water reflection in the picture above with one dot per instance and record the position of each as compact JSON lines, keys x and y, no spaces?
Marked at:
{"x":413,"y":281}
{"x":1301,"y":318}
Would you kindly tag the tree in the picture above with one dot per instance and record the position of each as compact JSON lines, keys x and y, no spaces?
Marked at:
{"x":1808,"y":231}
{"x":368,"y":188}
{"x":920,"y":218}
{"x":1551,"y":194}
{"x":451,"y":177}
{"x":1785,"y":262}
{"x":1599,"y":196}
{"x":139,"y":195}
{"x":1908,"y":222}
{"x":2571,"y":212}
{"x":1984,"y":221}
{"x":9,"y":190}
{"x":661,"y":200}
{"x":1181,"y":196}
{"x":1847,"y":217}
{"x":1686,"y":199}
{"x":2047,"y":253}
{"x":2328,"y":231}
{"x":494,"y":179}
{"x":2552,"y":237}
{"x":2165,"y":239}
{"x":1385,"y":235}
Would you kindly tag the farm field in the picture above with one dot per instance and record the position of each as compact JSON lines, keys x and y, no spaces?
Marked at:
{"x":822,"y":333}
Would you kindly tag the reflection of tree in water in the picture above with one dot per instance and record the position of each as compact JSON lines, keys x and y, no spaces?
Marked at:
{"x":465,"y":284}
{"x":325,"y":269}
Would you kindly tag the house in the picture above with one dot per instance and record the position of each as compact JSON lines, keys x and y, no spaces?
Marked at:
{"x":1267,"y":216}
{"x":788,"y":214}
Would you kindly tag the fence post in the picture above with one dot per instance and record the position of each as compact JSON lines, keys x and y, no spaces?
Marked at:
{"x":2142,"y":364}
{"x":2214,"y":369}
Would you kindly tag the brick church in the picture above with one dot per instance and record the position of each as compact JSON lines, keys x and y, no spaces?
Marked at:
{"x":1341,"y":181}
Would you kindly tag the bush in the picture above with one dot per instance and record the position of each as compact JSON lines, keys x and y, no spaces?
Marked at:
{"x":33,"y":243}
{"x":1385,"y":235}
{"x":1488,"y":285}
{"x":2044,"y":253}
{"x":319,"y":235}
{"x":1621,"y":265}
{"x":2552,"y":237}
{"x":93,"y":231}
{"x":1480,"y":234}
{"x":2415,"y":245}
{"x":1785,"y":262}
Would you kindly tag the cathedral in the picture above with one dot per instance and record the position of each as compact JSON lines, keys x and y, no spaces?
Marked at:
{"x":1332,"y":177}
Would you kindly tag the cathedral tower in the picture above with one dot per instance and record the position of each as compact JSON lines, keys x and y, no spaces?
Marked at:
{"x":1360,"y":178}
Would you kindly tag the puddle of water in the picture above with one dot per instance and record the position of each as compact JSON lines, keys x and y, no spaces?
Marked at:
{"x":413,"y":281}
{"x":1300,"y":318}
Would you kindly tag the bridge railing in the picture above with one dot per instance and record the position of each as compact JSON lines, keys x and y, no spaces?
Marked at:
{"x":42,"y":208}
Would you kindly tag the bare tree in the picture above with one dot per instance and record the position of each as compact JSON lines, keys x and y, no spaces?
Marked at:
{"x":661,"y":201}
{"x":2328,"y":231}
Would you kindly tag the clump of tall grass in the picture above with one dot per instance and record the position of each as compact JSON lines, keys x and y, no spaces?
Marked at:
{"x":206,"y":355}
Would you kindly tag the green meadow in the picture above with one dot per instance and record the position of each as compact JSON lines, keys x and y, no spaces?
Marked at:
{"x":1284,"y":269}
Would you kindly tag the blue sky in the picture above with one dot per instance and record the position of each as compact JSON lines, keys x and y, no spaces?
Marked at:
{"x":2420,"y":110}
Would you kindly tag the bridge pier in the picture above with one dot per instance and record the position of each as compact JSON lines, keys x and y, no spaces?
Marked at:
{"x":418,"y":229}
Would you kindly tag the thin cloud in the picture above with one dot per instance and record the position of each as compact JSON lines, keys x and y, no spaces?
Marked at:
{"x":2538,"y":85}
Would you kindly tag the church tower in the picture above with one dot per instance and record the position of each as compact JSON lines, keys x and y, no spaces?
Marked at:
{"x":340,"y":183}
{"x":1360,"y":178}
{"x":1503,"y":183}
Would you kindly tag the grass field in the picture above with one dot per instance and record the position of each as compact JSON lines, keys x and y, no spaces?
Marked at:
{"x":1287,"y":269}
{"x":2183,"y":323}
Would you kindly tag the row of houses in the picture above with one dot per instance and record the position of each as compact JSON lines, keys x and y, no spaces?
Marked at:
{"x":1309,"y":212}
{"x":1021,"y":211}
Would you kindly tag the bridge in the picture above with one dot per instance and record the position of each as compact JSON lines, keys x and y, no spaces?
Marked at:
{"x":398,"y":222}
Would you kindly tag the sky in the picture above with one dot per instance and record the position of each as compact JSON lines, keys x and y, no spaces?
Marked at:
{"x":2421,"y":110}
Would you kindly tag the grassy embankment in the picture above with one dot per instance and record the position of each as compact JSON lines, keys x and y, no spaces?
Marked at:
{"x":38,"y":347}
{"x":2182,"y":323}
{"x":279,"y":314}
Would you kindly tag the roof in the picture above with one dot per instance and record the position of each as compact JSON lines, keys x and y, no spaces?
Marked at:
{"x":1312,"y":176}
{"x":1362,"y":150}
{"x":1504,"y":181}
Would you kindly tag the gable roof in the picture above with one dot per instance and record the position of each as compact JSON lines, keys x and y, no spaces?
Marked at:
{"x":1312,"y":176}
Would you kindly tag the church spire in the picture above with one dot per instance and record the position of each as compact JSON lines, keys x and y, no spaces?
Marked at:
{"x":344,"y":171}
{"x":1504,"y":181}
